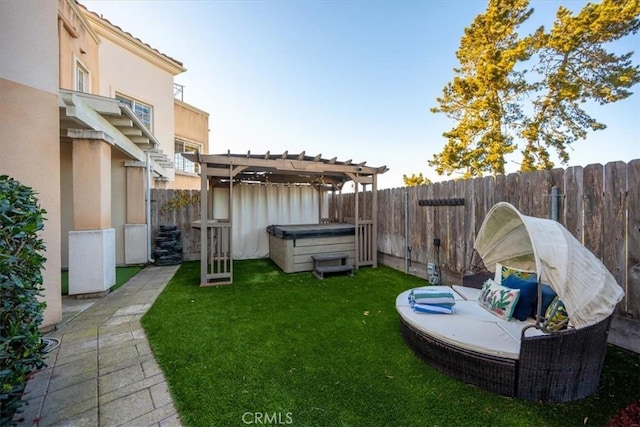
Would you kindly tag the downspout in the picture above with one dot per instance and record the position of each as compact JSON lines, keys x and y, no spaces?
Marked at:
{"x":148,"y":207}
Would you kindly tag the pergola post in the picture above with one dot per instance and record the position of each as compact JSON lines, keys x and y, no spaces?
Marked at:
{"x":333,"y":215}
{"x":364,"y":201}
{"x":374,"y":219}
{"x":357,"y":225}
{"x":204,"y":223}
{"x":231,"y":175}
{"x":340,"y":212}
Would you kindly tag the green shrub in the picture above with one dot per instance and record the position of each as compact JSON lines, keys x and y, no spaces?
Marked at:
{"x":21,"y":263}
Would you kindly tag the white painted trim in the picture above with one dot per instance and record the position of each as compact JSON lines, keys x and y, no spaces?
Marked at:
{"x":135,"y":101}
{"x":89,"y":110}
{"x":77,"y":63}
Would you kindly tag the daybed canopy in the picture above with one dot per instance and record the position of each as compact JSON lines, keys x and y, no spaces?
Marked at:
{"x":588,"y":290}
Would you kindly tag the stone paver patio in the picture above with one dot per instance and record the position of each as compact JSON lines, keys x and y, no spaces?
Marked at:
{"x":103,"y":372}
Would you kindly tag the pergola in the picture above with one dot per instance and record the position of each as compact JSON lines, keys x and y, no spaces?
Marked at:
{"x":223,"y":170}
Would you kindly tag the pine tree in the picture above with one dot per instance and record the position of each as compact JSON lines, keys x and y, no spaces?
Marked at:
{"x":575,"y":67}
{"x":415,"y":180}
{"x":556,"y":72}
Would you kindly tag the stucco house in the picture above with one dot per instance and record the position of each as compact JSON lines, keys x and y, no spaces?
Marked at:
{"x":88,"y":118}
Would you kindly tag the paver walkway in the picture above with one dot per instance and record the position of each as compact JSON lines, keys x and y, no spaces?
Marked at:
{"x":103,"y":373}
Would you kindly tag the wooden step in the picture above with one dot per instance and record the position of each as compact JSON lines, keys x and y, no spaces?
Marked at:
{"x":319,"y":271}
{"x":329,"y":257}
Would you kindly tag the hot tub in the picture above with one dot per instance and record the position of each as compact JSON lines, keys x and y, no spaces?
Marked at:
{"x":291,"y":246}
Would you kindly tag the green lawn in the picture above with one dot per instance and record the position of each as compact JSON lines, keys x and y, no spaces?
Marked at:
{"x":307,"y":352}
{"x":123,"y":274}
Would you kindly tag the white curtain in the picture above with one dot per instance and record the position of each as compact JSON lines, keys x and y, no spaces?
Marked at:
{"x":257,"y":206}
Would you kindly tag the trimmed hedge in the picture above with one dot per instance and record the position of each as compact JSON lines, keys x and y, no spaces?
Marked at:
{"x":21,"y":264}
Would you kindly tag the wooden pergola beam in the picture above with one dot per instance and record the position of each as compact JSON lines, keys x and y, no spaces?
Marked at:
{"x":360,"y":179}
{"x":284,"y":163}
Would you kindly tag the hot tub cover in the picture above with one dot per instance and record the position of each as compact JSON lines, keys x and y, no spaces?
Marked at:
{"x":308,"y":231}
{"x":589,"y":291}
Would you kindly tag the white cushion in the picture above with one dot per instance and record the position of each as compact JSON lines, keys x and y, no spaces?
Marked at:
{"x":514,"y":328}
{"x":464,"y":332}
{"x":469,"y":294}
{"x":471,"y":327}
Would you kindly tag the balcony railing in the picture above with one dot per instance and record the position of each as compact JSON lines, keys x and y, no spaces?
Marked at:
{"x":178,"y":91}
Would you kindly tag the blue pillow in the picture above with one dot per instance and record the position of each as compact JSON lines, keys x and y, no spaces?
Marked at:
{"x":548,"y":294}
{"x":528,"y":295}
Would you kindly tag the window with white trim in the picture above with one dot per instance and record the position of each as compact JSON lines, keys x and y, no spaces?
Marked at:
{"x":82,"y":78}
{"x":182,"y":164}
{"x":143,"y":111}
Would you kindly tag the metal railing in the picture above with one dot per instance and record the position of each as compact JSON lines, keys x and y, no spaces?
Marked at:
{"x":178,"y":91}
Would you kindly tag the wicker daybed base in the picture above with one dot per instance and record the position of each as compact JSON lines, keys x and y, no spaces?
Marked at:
{"x":560,"y":367}
{"x":489,"y":372}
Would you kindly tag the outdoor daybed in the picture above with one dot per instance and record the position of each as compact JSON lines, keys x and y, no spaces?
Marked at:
{"x":533,"y":358}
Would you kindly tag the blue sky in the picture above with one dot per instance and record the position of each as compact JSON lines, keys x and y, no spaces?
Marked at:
{"x":346,"y":79}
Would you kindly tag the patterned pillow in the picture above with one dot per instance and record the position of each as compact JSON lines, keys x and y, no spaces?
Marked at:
{"x":499,"y":300}
{"x":556,"y":316}
{"x":502,"y":272}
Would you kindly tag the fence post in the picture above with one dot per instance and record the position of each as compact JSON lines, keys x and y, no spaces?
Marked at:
{"x":406,"y":232}
{"x":555,"y":197}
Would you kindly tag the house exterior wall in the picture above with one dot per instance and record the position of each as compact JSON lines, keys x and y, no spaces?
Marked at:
{"x":40,"y":45}
{"x":77,"y":43}
{"x":147,"y":77}
{"x":143,"y":82}
{"x":29,"y":46}
{"x":66,"y":200}
{"x":184,"y":181}
{"x":191,"y":124}
{"x":119,"y":201}
{"x":29,"y":97}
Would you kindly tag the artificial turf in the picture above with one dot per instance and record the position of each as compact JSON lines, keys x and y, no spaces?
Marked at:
{"x":291,"y":349}
{"x":123,"y":274}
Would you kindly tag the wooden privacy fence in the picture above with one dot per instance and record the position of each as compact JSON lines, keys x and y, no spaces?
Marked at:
{"x":181,"y":208}
{"x":599,"y":204}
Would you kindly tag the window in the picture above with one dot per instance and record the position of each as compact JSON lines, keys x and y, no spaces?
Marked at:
{"x":82,"y":78}
{"x":182,"y":164}
{"x":142,"y":111}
